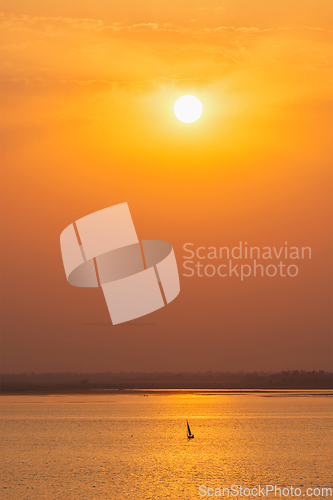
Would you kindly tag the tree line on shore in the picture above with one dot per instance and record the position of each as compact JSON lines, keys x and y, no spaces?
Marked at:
{"x":166,"y":380}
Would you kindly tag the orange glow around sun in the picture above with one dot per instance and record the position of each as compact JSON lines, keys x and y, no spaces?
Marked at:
{"x":88,"y":95}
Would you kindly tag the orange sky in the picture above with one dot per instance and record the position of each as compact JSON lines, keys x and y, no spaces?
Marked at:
{"x":87,"y":121}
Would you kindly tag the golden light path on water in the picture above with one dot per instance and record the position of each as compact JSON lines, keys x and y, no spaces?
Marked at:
{"x":121,"y":446}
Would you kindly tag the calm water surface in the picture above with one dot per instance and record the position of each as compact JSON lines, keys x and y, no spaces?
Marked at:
{"x":118,"y":447}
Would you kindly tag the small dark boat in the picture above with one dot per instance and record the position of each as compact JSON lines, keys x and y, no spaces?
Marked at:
{"x":189,"y":433}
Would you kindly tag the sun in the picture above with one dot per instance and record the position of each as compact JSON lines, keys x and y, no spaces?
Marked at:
{"x":188,"y":109}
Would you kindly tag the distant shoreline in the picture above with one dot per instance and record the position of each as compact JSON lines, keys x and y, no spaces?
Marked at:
{"x":110,"y":382}
{"x":161,"y":392}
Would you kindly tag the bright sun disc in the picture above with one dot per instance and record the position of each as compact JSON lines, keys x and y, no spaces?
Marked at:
{"x":188,"y":109}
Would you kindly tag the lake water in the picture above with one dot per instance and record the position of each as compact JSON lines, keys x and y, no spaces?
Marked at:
{"x":129,"y":446}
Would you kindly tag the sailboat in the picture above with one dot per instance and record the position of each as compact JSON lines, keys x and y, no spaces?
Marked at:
{"x":189,"y":433}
